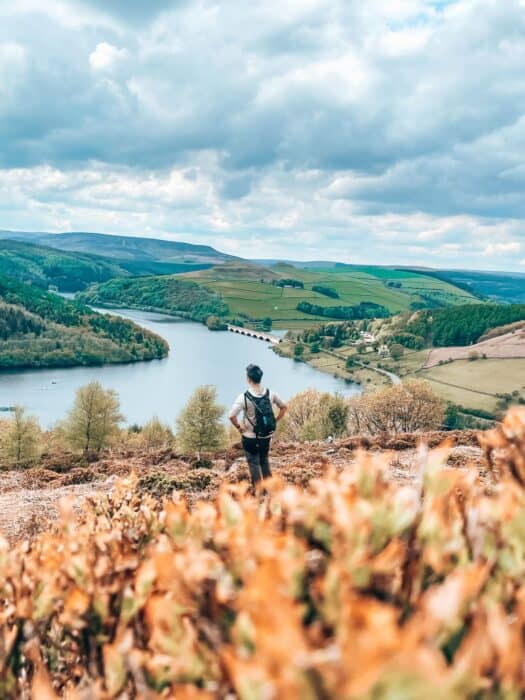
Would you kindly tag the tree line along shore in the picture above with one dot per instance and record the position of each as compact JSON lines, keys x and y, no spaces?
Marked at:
{"x":95,"y":422}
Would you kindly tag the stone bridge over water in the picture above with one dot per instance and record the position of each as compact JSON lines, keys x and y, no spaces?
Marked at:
{"x":260,"y":335}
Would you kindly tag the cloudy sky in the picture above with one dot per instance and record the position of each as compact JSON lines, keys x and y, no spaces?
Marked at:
{"x":378,"y":131}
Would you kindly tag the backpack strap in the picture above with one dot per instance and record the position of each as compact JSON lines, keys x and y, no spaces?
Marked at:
{"x":247,"y":397}
{"x":253,"y":401}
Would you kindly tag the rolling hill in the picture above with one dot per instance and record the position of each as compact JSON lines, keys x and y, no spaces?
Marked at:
{"x":43,"y":266}
{"x":498,"y":286}
{"x":252,"y":292}
{"x":38,"y":329}
{"x":125,"y":248}
{"x":507,"y":287}
{"x":291,"y":297}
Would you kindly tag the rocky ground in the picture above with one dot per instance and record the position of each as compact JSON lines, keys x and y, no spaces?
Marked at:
{"x":29,"y":498}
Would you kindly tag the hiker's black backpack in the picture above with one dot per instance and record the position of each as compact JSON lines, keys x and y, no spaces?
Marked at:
{"x":265,"y":422}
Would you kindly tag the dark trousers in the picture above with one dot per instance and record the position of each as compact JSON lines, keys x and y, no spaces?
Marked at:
{"x":257,"y":451}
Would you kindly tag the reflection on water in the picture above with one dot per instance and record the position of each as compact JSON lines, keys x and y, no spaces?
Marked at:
{"x":162,"y":387}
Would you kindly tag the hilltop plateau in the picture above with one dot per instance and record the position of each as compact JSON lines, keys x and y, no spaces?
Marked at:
{"x":408,"y":558}
{"x":29,"y":497}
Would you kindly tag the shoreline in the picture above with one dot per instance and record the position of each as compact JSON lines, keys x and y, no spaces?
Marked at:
{"x":366,"y":379}
{"x":327,"y":362}
{"x":163,"y":387}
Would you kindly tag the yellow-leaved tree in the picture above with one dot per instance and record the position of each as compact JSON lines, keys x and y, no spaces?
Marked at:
{"x":21,"y":439}
{"x":314,"y":415}
{"x":156,"y":435}
{"x":94,"y":419}
{"x":199,"y":426}
{"x":409,"y":407}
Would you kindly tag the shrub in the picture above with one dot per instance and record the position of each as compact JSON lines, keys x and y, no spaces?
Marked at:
{"x":94,"y":419}
{"x":157,"y":435}
{"x":403,"y":408}
{"x":377,"y":589}
{"x":214,"y":323}
{"x":298,"y":351}
{"x":337,"y":413}
{"x":397,"y":351}
{"x":314,"y":415}
{"x":21,"y":439}
{"x":199,"y":425}
{"x":161,"y":485}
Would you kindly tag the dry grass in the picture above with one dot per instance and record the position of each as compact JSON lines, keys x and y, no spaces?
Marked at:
{"x":352,"y":585}
{"x":509,"y":345}
{"x":29,"y":497}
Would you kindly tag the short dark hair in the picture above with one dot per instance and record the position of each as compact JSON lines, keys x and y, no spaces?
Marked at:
{"x":254,"y":373}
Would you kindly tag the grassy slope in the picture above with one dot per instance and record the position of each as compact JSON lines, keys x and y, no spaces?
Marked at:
{"x":130,"y":248}
{"x":476,"y":384}
{"x":44,"y":266}
{"x":469,"y":384}
{"x":242,"y":288}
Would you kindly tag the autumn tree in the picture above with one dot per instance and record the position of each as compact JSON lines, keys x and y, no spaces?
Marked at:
{"x":396,"y":351}
{"x":157,"y":435}
{"x":199,"y":425}
{"x":94,"y":419}
{"x":337,"y":414}
{"x":21,"y":439}
{"x":215,"y":323}
{"x":409,"y":407}
{"x":314,"y":415}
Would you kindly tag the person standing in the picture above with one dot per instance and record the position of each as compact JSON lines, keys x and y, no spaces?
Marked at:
{"x":258,"y":422}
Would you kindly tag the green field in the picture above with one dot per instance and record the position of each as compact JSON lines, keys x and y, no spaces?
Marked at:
{"x":249,"y":293}
{"x":477,"y":384}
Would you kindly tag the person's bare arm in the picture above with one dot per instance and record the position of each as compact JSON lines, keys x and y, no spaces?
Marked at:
{"x":234,"y":414}
{"x":282,"y":411}
{"x":277,"y":401}
{"x":234,"y":421}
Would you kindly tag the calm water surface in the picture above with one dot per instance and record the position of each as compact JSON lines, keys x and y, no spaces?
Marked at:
{"x":162,"y":387}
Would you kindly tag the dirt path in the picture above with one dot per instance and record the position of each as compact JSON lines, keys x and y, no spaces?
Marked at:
{"x":393,"y":377}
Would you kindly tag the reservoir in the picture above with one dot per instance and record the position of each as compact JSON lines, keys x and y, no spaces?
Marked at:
{"x":162,"y":387}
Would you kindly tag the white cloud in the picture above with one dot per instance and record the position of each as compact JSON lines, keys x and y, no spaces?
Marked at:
{"x":404,"y":42}
{"x":387,"y":132}
{"x":502,"y":248}
{"x":105,"y":56}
